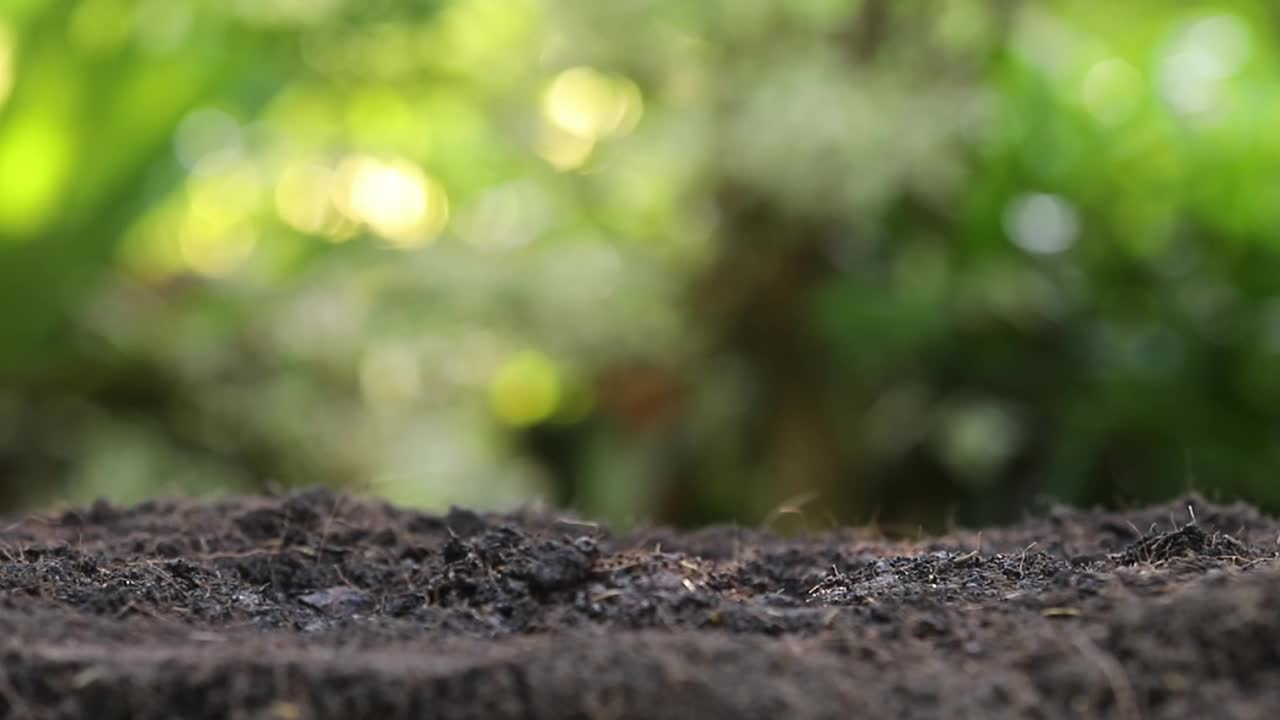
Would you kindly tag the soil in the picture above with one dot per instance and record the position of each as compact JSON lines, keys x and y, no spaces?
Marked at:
{"x":318,"y":605}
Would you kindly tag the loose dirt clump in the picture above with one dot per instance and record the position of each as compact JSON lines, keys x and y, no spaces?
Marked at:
{"x":1186,"y":541}
{"x":318,"y":605}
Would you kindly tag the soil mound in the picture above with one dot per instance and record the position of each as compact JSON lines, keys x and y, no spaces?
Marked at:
{"x":318,"y":605}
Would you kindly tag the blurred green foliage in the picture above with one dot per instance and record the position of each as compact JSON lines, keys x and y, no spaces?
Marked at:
{"x":903,"y":261}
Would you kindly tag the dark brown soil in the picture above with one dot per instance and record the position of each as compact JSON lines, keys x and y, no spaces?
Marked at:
{"x":321,"y":606}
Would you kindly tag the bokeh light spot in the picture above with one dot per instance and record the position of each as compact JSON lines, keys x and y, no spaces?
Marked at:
{"x":226,"y":198}
{"x":303,"y":200}
{"x":1112,"y":91}
{"x":1201,"y":58}
{"x":1041,"y":223}
{"x":394,"y":198}
{"x":976,"y":439}
{"x":525,"y":390}
{"x":216,"y":235}
{"x":587,"y":103}
{"x":562,"y":150}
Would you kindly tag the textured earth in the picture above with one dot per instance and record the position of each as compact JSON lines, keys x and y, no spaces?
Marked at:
{"x":318,"y":605}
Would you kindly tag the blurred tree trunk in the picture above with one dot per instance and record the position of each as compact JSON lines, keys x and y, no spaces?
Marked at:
{"x":754,"y":302}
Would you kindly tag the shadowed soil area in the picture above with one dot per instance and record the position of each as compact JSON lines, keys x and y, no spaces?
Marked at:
{"x":317,"y":605}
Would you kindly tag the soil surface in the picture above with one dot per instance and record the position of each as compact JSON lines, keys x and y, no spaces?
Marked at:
{"x":317,"y":605}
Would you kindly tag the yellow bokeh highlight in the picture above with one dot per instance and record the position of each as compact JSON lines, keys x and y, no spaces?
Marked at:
{"x":525,"y":390}
{"x":395,"y":198}
{"x":590,"y":104}
{"x":8,"y":62}
{"x":225,"y":198}
{"x":216,"y":234}
{"x":562,"y":150}
{"x":209,"y":229}
{"x":303,"y":200}
{"x":35,"y":164}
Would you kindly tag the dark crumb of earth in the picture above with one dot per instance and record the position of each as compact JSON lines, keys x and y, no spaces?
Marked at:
{"x":319,"y":605}
{"x":1188,"y":540}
